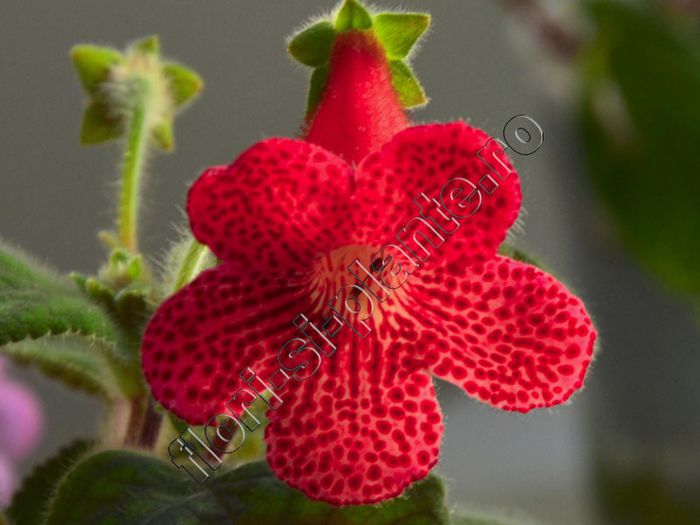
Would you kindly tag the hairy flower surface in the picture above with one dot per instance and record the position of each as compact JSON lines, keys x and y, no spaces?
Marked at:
{"x":288,"y":217}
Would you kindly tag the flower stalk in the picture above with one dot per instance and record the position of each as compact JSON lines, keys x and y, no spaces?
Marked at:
{"x":135,"y":153}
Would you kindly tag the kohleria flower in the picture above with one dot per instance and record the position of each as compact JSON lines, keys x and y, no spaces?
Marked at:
{"x":288,"y":217}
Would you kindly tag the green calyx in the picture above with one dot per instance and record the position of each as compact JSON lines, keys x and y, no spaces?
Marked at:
{"x":398,"y":34}
{"x":115,"y":82}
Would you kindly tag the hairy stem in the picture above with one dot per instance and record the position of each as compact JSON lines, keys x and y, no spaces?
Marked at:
{"x":133,"y":167}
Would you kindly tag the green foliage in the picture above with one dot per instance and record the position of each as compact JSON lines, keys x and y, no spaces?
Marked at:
{"x":127,"y":488}
{"x":399,"y":32}
{"x":353,"y":15}
{"x":78,"y":362}
{"x":312,"y":47}
{"x":406,"y":84}
{"x":642,"y":146}
{"x":35,"y":302}
{"x":642,"y":493}
{"x":31,"y":503}
{"x":46,"y":321}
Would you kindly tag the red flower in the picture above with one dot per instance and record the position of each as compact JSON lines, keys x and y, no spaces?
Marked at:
{"x":287,"y":219}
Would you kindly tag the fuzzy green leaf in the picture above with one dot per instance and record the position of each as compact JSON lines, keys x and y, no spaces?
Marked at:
{"x":35,"y":302}
{"x":184,"y":83}
{"x":399,"y":32}
{"x":127,"y":488}
{"x":317,"y":87}
{"x":31,"y":502}
{"x":93,"y":64}
{"x":97,"y":126}
{"x":406,"y":84}
{"x":78,"y":362}
{"x":353,"y":15}
{"x":640,"y":120}
{"x":312,"y":47}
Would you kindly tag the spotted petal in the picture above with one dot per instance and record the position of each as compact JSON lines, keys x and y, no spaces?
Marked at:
{"x":355,"y":434}
{"x":203,"y":337}
{"x":506,"y":332}
{"x":278,"y":205}
{"x":421,"y":161}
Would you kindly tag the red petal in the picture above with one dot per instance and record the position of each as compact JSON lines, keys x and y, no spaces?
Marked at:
{"x":506,"y":332}
{"x":279,"y":204}
{"x":423,"y":159}
{"x":351,"y":435}
{"x":203,"y":337}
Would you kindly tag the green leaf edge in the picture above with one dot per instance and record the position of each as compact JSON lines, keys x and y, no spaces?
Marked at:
{"x":87,"y":369}
{"x":430,"y":490}
{"x":30,"y":503}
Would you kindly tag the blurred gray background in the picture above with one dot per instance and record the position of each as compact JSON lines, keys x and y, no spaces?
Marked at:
{"x":55,"y":196}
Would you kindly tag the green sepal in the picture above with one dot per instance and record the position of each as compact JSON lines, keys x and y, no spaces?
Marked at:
{"x":399,"y":32}
{"x":164,"y":135}
{"x":31,"y":502}
{"x":184,"y":83}
{"x":408,"y":89}
{"x":149,"y":45}
{"x":312,"y":47}
{"x":129,"y":488}
{"x":97,"y":126}
{"x":353,"y":15}
{"x":317,"y":86}
{"x":93,"y":64}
